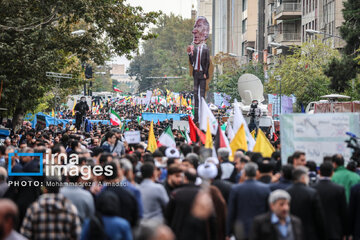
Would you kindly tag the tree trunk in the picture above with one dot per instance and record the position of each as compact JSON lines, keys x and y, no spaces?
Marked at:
{"x":17,"y":118}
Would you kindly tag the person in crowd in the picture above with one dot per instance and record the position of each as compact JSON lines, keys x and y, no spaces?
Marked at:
{"x":298,"y":159}
{"x":119,"y":148}
{"x":3,"y":184}
{"x":266,"y":168}
{"x":151,"y":230}
{"x":9,"y":217}
{"x":227,"y":168}
{"x":223,"y":185}
{"x":246,"y":201}
{"x":208,"y":172}
{"x":354,"y":212}
{"x":128,"y":207}
{"x":306,"y":204}
{"x":313,"y":176}
{"x":51,"y":210}
{"x":342,"y":176}
{"x":285,"y":180}
{"x":333,"y":200}
{"x":240,"y":160}
{"x":105,"y":224}
{"x":109,"y":144}
{"x":125,"y":170}
{"x":154,"y":196}
{"x":82,"y":199}
{"x":278,"y":223}
{"x":174,"y":178}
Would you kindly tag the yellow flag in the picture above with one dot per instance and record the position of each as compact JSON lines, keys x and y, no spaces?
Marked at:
{"x":101,"y":105}
{"x":152,"y":146}
{"x":93,"y":104}
{"x":253,"y":134}
{"x":239,"y":141}
{"x":263,"y":145}
{"x":208,"y":139}
{"x":73,"y":109}
{"x":52,"y":113}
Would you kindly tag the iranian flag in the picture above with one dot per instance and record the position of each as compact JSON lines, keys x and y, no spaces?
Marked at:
{"x":116,"y":89}
{"x":167,"y":138}
{"x":114,"y":118}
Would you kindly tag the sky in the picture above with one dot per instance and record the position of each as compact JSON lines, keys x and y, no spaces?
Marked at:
{"x":178,"y":7}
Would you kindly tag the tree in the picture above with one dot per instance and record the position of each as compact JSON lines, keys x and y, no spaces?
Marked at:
{"x":229,"y":71}
{"x":36,"y":37}
{"x":350,"y":29}
{"x":340,"y":71}
{"x":164,"y":55}
{"x":302,"y":73}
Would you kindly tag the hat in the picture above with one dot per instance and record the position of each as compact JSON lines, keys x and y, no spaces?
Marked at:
{"x":207,"y":170}
{"x":213,"y":160}
{"x":116,"y":130}
{"x":171,"y":152}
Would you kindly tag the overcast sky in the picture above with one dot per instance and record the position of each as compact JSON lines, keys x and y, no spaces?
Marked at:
{"x":178,"y":7}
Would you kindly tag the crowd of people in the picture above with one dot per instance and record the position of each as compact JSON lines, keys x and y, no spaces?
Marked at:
{"x":171,"y":193}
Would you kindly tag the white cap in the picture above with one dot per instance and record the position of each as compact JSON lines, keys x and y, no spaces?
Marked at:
{"x":207,"y":170}
{"x":213,"y":160}
{"x":171,"y":152}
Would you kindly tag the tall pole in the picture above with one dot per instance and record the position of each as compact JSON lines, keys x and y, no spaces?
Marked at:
{"x":58,"y":77}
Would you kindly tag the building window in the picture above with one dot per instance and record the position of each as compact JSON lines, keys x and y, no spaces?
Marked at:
{"x":244,"y":25}
{"x":244,"y":5}
{"x":243,"y":49}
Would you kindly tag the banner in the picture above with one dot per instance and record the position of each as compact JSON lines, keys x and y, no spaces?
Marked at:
{"x":180,"y":124}
{"x":132,"y":137}
{"x":318,"y":135}
{"x":218,"y":99}
{"x":161,"y":116}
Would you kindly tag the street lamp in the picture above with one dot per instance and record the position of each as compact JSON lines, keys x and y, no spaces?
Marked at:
{"x":277,"y":45}
{"x":312,"y":31}
{"x":78,"y":32}
{"x":251,"y":49}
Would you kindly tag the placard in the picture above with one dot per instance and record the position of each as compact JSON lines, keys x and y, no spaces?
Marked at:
{"x":318,"y":135}
{"x":180,"y":124}
{"x":132,"y":137}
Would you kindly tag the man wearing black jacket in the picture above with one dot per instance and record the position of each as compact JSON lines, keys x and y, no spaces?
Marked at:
{"x":333,"y":200}
{"x":306,"y":204}
{"x":278,"y":223}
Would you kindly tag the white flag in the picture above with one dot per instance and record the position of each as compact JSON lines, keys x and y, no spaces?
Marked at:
{"x":238,"y":121}
{"x":205,"y":114}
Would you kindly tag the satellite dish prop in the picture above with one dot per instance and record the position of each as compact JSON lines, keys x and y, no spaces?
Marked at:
{"x":250,"y":88}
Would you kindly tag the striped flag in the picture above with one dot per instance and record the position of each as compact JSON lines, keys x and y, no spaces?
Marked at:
{"x":114,"y":118}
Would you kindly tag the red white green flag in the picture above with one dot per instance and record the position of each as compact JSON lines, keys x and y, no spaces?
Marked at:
{"x":167,"y":138}
{"x":114,"y":118}
{"x":116,"y":89}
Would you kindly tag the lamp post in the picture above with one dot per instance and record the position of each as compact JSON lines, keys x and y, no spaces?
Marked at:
{"x":278,"y":78}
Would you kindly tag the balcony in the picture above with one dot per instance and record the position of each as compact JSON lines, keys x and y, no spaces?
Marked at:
{"x":288,"y":11}
{"x":289,"y":38}
{"x":271,"y":29}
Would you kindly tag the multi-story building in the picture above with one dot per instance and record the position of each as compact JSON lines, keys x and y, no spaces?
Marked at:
{"x":243,"y":28}
{"x":205,"y":9}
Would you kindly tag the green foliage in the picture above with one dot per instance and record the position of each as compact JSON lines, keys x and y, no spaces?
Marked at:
{"x":35,"y":37}
{"x":350,"y":30}
{"x":340,"y":71}
{"x":164,"y":55}
{"x":302,"y":73}
{"x":229,"y":71}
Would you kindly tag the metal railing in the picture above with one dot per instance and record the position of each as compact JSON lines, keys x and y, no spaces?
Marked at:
{"x":284,"y":37}
{"x":288,"y":7}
